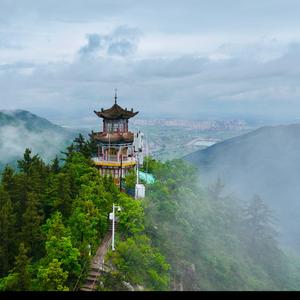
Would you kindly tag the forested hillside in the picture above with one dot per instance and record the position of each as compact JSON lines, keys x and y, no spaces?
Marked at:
{"x":265,"y":161}
{"x":49,"y":216}
{"x":180,"y":237}
{"x":214,"y":241}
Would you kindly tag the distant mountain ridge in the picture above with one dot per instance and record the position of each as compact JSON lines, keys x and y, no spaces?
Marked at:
{"x":20,"y":129}
{"x":265,"y":161}
{"x":29,"y":120}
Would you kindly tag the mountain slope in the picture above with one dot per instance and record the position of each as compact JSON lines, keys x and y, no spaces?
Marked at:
{"x":265,"y":161}
{"x":21,"y":129}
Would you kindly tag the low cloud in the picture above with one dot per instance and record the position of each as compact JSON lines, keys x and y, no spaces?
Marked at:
{"x":232,"y":82}
{"x":15,"y":139}
{"x":122,"y":41}
{"x":94,"y":44}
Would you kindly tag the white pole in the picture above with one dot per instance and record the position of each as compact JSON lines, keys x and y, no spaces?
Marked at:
{"x":137,"y":169}
{"x":113,"y":229}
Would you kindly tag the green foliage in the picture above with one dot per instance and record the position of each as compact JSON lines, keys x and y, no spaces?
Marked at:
{"x":22,"y":269}
{"x":19,"y":279}
{"x":26,"y":163}
{"x":208,"y":238}
{"x":130,"y":179}
{"x":52,"y":277}
{"x":131,"y":217}
{"x":180,"y":236}
{"x":55,"y":167}
{"x":30,"y":230}
{"x":140,"y":263}
{"x":9,"y":283}
{"x":7,"y":178}
{"x":59,"y":245}
{"x":7,"y":232}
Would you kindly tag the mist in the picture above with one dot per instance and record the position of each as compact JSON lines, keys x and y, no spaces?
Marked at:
{"x":213,"y":239}
{"x":45,"y":140}
{"x":265,"y":162}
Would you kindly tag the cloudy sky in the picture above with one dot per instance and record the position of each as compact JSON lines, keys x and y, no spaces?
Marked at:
{"x":189,"y":59}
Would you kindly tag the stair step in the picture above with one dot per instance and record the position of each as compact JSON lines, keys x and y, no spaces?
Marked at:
{"x":95,"y":268}
{"x":92,"y":273}
{"x":88,"y":286}
{"x":86,"y":289}
{"x":92,"y":278}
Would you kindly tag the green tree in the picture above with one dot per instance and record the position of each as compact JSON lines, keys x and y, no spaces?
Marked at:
{"x":52,"y":277}
{"x":55,"y":167}
{"x":140,"y":263}
{"x":19,"y":278}
{"x":259,"y":225}
{"x":261,"y":240}
{"x":32,"y":219}
{"x":63,"y":194}
{"x":59,"y":245}
{"x":131,"y":216}
{"x":215,"y":191}
{"x":27,"y":161}
{"x":87,"y":224}
{"x":8,"y":179}
{"x":130,"y":179}
{"x":22,"y":276}
{"x":7,"y":233}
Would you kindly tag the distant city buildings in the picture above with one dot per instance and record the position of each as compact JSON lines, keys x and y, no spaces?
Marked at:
{"x":195,"y":124}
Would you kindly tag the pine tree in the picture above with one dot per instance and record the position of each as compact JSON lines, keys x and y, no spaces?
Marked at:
{"x":7,"y":233}
{"x":261,"y":239}
{"x":21,"y":269}
{"x":63,"y":199}
{"x":216,"y":190}
{"x":55,"y":168}
{"x":19,"y":196}
{"x":25,"y":164}
{"x":259,"y":222}
{"x":70,"y":151}
{"x":7,"y":179}
{"x":32,"y":220}
{"x":82,"y":146}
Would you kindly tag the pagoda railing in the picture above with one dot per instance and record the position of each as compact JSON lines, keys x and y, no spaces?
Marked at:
{"x":113,"y":159}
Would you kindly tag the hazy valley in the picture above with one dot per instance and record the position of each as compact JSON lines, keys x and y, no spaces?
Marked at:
{"x":21,"y":129}
{"x":265,"y":162}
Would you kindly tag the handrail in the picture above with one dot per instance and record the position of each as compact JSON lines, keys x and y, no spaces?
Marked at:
{"x":113,"y":159}
{"x":75,"y":287}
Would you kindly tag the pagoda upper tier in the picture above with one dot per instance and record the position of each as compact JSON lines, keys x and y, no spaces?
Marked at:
{"x":115,"y":112}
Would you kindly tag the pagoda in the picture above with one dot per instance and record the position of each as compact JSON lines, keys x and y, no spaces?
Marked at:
{"x":115,"y":155}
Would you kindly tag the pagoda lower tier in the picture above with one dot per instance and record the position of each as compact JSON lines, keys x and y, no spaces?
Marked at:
{"x":115,"y":159}
{"x":115,"y":168}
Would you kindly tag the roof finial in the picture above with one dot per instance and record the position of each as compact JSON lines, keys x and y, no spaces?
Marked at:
{"x":116,"y":97}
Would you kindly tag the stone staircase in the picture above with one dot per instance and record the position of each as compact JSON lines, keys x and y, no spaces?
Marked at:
{"x":97,"y":266}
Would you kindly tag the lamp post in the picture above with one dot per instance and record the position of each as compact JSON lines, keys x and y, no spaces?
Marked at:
{"x":121,"y":173}
{"x":112,"y":217}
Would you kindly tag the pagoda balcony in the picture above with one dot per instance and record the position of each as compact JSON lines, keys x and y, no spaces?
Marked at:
{"x":112,"y":161}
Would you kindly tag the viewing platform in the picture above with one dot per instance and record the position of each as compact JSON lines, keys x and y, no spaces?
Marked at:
{"x":113,"y":162}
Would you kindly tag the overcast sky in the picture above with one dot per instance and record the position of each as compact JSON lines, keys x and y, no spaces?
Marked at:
{"x":190,"y":59}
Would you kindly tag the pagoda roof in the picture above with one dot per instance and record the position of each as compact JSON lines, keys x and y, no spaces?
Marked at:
{"x":115,"y":112}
